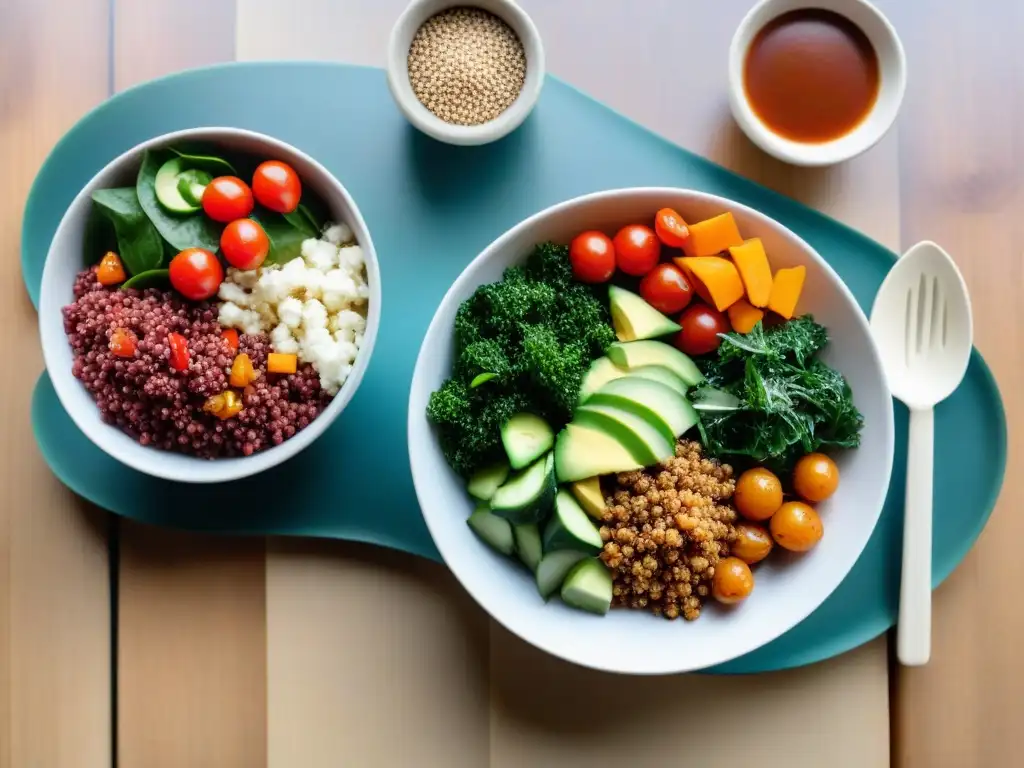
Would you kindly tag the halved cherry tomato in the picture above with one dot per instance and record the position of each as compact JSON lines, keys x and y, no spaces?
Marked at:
{"x":227,"y":198}
{"x":244,"y":244}
{"x":196,"y":274}
{"x":666,"y":289}
{"x":179,"y":351}
{"x":701,"y":325}
{"x":110,"y":270}
{"x":671,"y":228}
{"x":637,"y":249}
{"x":122,"y":343}
{"x":592,"y":256}
{"x":230,"y":335}
{"x":277,"y":186}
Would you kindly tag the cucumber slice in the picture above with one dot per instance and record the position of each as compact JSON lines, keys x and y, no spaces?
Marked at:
{"x":588,"y":587}
{"x":495,"y":531}
{"x":165,"y":186}
{"x":486,"y":481}
{"x":553,"y":568}
{"x":528,"y":545}
{"x":191,"y":185}
{"x":526,"y":438}
{"x":526,"y":497}
{"x":570,"y":528}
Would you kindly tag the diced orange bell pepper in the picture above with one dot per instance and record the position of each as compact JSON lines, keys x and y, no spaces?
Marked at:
{"x":111,"y":270}
{"x":242,"y":372}
{"x":786,"y":288}
{"x":715,"y":279}
{"x":278,"y":363}
{"x":743,"y":316}
{"x":752,"y":263}
{"x":712,"y":236}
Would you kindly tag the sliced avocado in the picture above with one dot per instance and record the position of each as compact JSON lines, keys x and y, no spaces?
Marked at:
{"x":663,"y":408}
{"x":660,"y":374}
{"x":635,"y":319}
{"x":634,"y":354}
{"x":166,"y":187}
{"x":582,"y":452}
{"x":590,"y":496}
{"x":600,"y":372}
{"x":641,"y":438}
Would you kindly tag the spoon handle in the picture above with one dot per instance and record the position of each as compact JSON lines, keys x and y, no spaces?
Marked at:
{"x":914,"y":630}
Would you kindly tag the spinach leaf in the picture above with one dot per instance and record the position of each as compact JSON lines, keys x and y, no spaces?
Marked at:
{"x":100,"y":237}
{"x":207,"y":162}
{"x":192,"y":230}
{"x":303,"y":220}
{"x":285,"y":239}
{"x":138,"y":242}
{"x":153,"y":278}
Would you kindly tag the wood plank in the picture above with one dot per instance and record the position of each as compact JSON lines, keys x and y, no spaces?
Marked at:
{"x":54,"y":591}
{"x":961,"y":161}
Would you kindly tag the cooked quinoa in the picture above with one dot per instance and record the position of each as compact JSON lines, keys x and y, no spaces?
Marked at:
{"x":665,"y":529}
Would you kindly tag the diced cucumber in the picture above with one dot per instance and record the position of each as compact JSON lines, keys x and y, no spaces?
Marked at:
{"x":526,"y":437}
{"x":166,"y":187}
{"x":553,"y":568}
{"x":528,"y":545}
{"x":495,"y":531}
{"x":191,"y":185}
{"x":588,"y":587}
{"x":571,"y":528}
{"x":526,"y":497}
{"x":487,"y":480}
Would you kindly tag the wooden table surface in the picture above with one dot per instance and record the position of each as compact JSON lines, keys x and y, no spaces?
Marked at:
{"x":147,"y":647}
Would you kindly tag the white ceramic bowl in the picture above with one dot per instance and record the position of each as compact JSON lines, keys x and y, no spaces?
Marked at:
{"x":64,"y":261}
{"x":892,"y":82}
{"x":402,"y":34}
{"x":788,"y":589}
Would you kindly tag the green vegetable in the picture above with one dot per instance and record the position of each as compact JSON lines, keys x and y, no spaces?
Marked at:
{"x":154,"y":278}
{"x":285,"y":239}
{"x":482,"y":378}
{"x":537,"y":331}
{"x":215,"y":165}
{"x":191,"y":185}
{"x":138,"y":242}
{"x":193,"y":230}
{"x":790,"y":402}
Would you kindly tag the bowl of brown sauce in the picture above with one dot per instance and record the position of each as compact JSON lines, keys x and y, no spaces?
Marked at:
{"x":815,"y":82}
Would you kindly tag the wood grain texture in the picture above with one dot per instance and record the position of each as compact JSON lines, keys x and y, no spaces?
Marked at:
{"x":54,"y":590}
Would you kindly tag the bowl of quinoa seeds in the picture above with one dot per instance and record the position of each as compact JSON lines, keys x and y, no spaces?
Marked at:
{"x":665,"y":528}
{"x":466,"y":65}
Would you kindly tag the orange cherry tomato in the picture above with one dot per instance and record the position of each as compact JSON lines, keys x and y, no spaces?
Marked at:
{"x":732,"y":581}
{"x":796,"y":526}
{"x":244,"y":244}
{"x":196,"y":274}
{"x":227,"y":198}
{"x":753,"y":543}
{"x":111,"y":270}
{"x":815,"y":477}
{"x":637,"y":249}
{"x":277,"y":186}
{"x":666,"y":289}
{"x":179,"y":351}
{"x":670,"y":228}
{"x":122,"y":342}
{"x":701,"y":325}
{"x":592,"y":256}
{"x":758,"y":494}
{"x":230,"y":335}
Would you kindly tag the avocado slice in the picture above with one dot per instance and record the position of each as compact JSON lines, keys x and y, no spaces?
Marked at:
{"x":641,"y":438}
{"x":662,"y":407}
{"x":661,"y":375}
{"x":590,"y":496}
{"x":166,"y":187}
{"x":582,"y":452}
{"x":635,"y":319}
{"x":600,"y":372}
{"x":633,"y":354}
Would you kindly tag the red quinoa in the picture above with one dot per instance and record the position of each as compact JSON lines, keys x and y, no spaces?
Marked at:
{"x":159,"y":406}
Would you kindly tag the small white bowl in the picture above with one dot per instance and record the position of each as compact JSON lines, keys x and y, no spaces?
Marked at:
{"x":422,"y":118}
{"x":64,"y":261}
{"x":892,"y":66}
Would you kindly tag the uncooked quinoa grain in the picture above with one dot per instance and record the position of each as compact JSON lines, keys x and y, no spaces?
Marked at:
{"x":466,"y":65}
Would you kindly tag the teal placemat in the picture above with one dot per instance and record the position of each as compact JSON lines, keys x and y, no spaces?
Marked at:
{"x":431,"y":208}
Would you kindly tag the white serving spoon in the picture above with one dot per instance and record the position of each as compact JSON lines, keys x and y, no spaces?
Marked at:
{"x":921,"y":323}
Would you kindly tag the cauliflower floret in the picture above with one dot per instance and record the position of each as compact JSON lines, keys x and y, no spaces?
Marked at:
{"x":339,"y":289}
{"x":245,"y":320}
{"x":314,"y":283}
{"x":338,"y":234}
{"x":347,"y":319}
{"x":234,"y":293}
{"x":345,"y":351}
{"x":289,"y":312}
{"x":271,"y":287}
{"x":319,"y":254}
{"x":351,"y":257}
{"x":343,"y":335}
{"x":282,"y":341}
{"x":314,"y":315}
{"x":293,"y":277}
{"x":313,"y":342}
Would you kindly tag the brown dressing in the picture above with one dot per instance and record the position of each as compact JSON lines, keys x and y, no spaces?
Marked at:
{"x":811,"y":75}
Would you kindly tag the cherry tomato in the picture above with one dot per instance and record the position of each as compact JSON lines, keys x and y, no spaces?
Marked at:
{"x":701,"y":325}
{"x":244,"y":244}
{"x":796,"y":526}
{"x":122,"y":342}
{"x":732,"y":581}
{"x":179,"y":351}
{"x":637,"y":249}
{"x":758,"y":494}
{"x":670,"y":228}
{"x":196,"y":274}
{"x":753,"y":543}
{"x":230,"y":335}
{"x":815,"y":477}
{"x":277,"y":186}
{"x":592,"y":256}
{"x":666,"y":289}
{"x":227,"y":198}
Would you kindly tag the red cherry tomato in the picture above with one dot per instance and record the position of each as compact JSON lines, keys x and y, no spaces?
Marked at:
{"x":637,"y":249}
{"x":230,"y":336}
{"x":671,"y":228}
{"x":593,"y":257}
{"x":701,"y":325}
{"x":277,"y":186}
{"x":227,"y":198}
{"x":179,"y":351}
{"x":196,"y":274}
{"x":244,"y":244}
{"x":666,"y":289}
{"x":122,"y":342}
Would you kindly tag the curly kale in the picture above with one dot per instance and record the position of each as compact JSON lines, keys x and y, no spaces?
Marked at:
{"x":536,"y":331}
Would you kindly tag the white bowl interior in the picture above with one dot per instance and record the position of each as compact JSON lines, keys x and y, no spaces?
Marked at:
{"x":787,"y":589}
{"x":64,"y":261}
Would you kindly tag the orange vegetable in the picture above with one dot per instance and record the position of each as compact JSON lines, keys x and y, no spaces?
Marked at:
{"x":111,"y":270}
{"x":698,"y":287}
{"x":230,"y":335}
{"x":743,"y":317}
{"x":752,"y":263}
{"x":720,"y":280}
{"x":179,"y":351}
{"x":278,"y":363}
{"x":225,"y":405}
{"x":242,"y":372}
{"x":712,"y":236}
{"x":786,"y":288}
{"x":122,"y":343}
